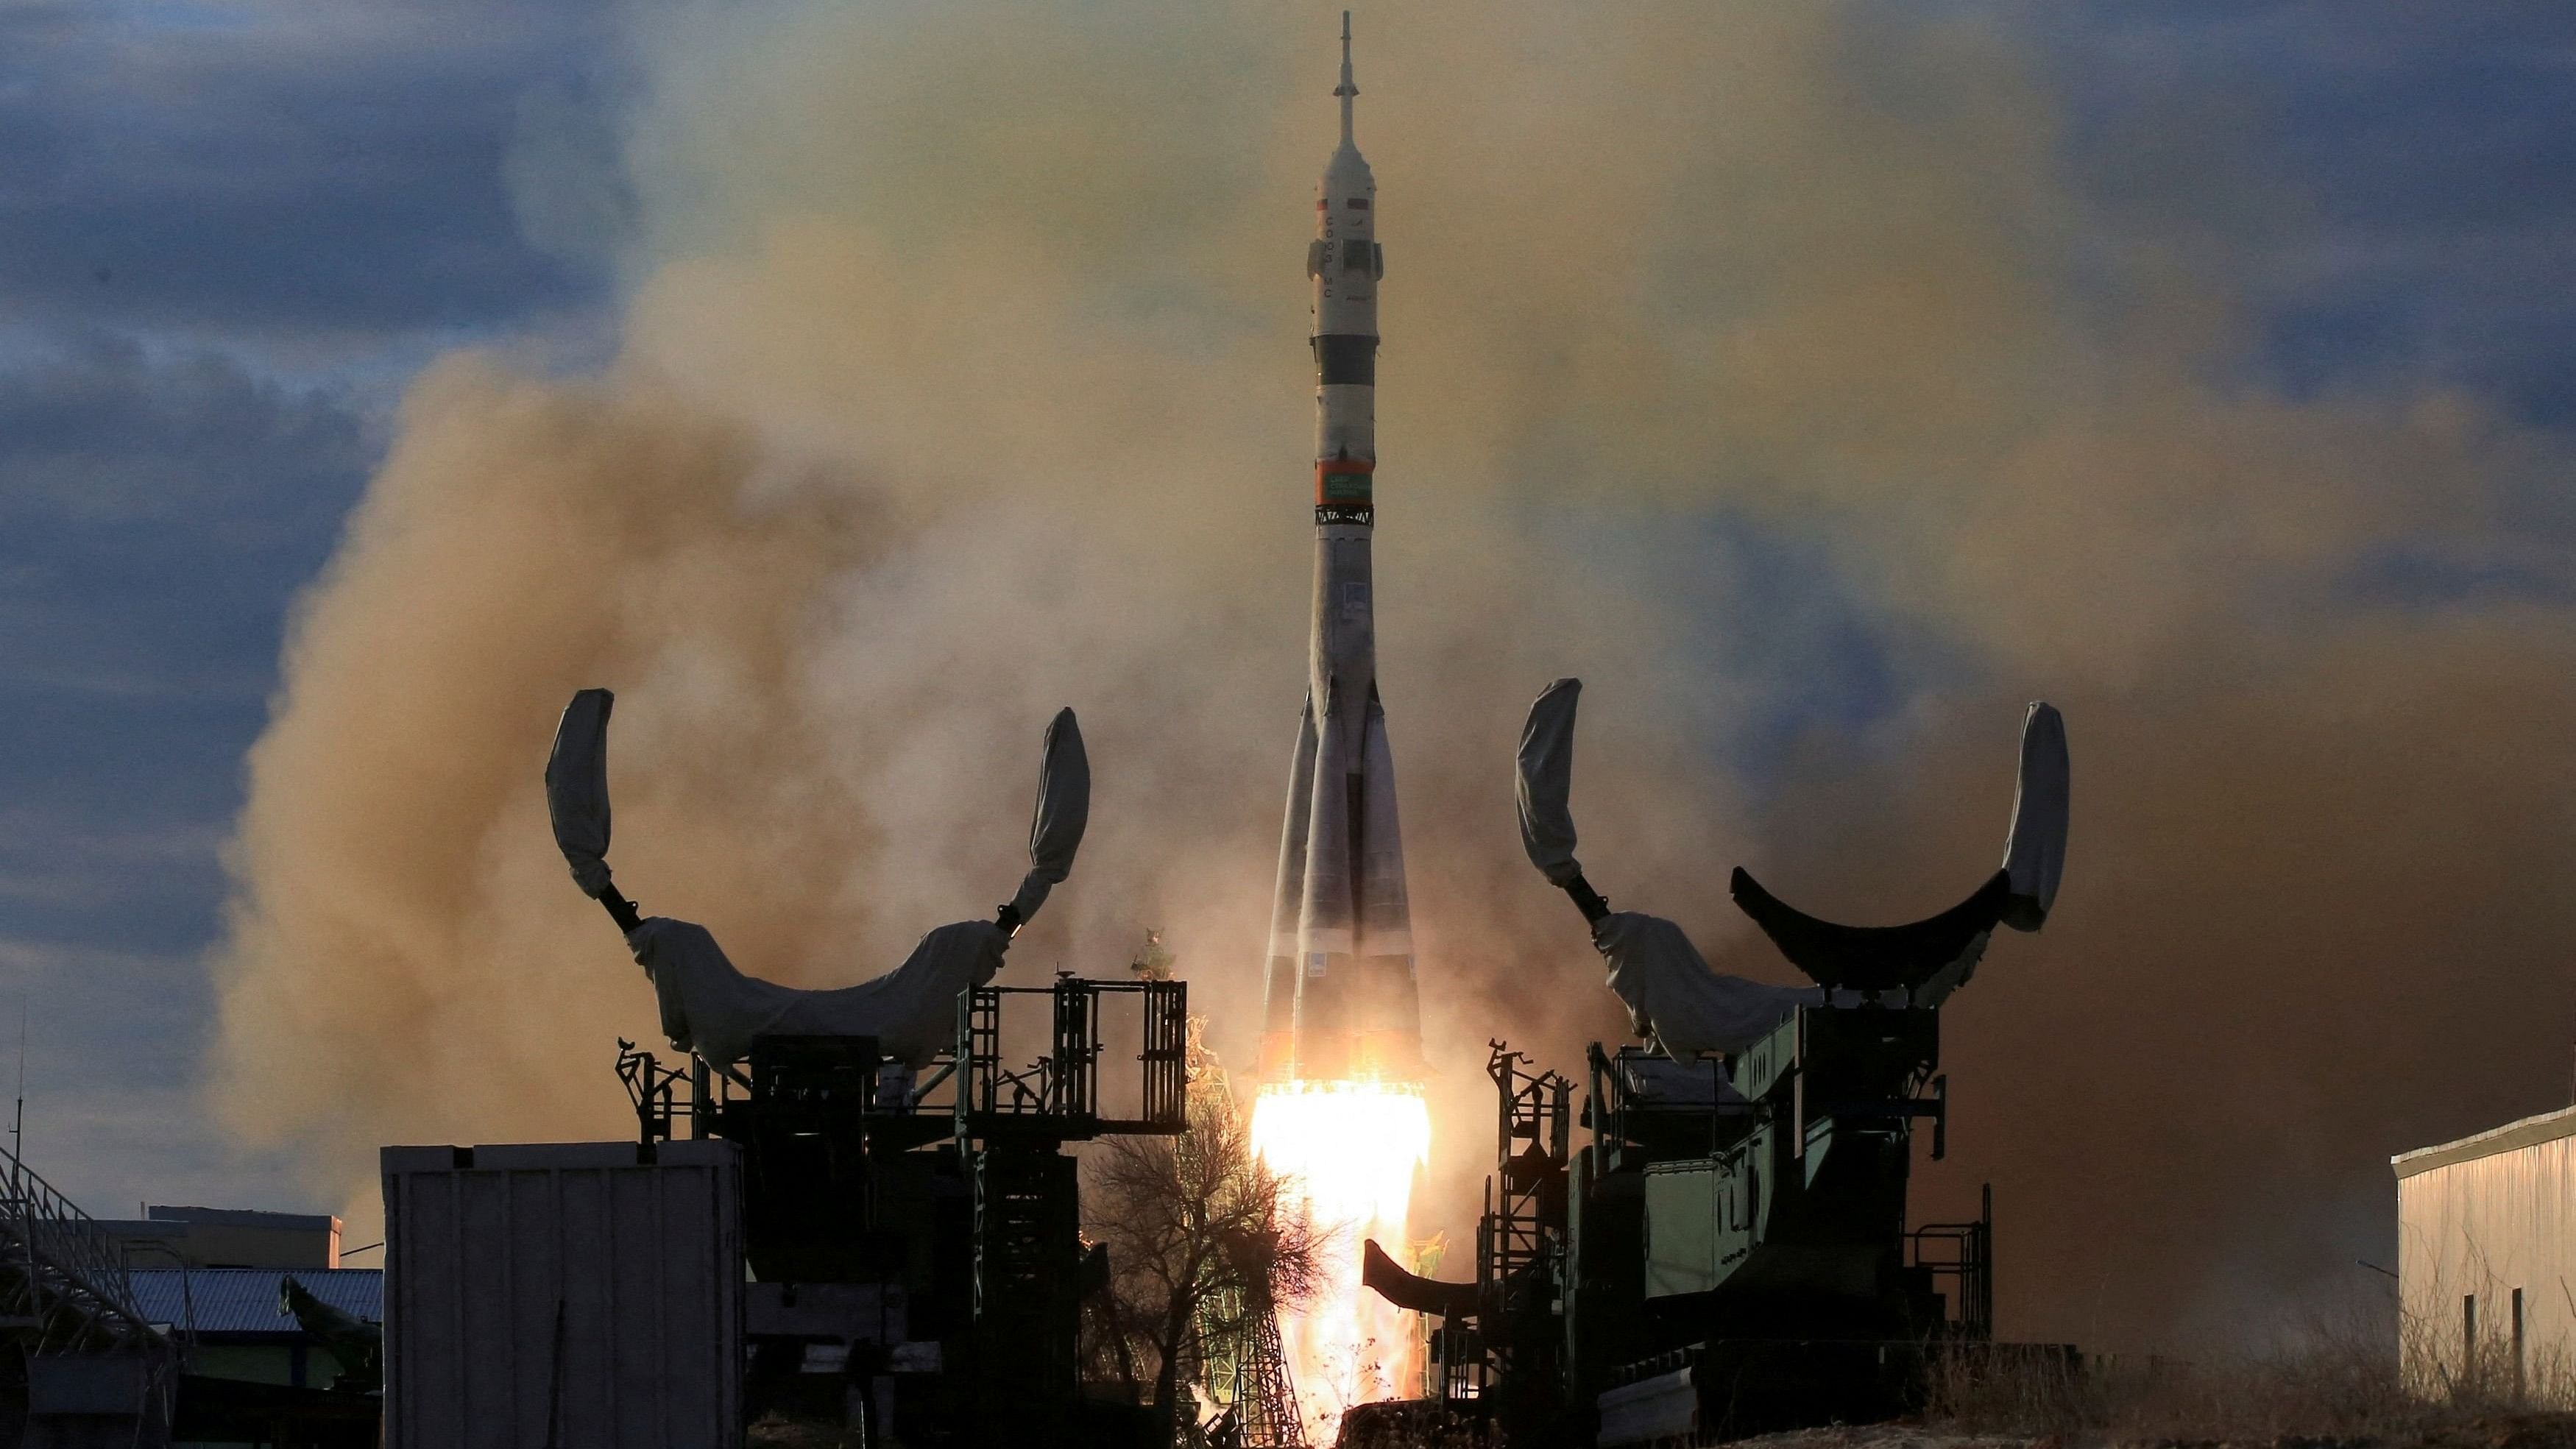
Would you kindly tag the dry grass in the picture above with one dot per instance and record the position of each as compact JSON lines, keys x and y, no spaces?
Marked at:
{"x":2334,"y":1386}
{"x":779,"y":1431}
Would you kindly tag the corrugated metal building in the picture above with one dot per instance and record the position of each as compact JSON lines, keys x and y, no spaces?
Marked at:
{"x":234,"y":1323}
{"x":567,"y":1293}
{"x":2486,"y":1257}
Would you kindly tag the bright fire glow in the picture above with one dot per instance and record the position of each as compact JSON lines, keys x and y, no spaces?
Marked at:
{"x":1349,"y":1151}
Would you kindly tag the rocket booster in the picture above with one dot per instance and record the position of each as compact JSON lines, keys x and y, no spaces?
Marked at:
{"x":1341,"y":1002}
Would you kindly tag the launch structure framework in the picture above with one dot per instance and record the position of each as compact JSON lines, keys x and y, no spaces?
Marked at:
{"x":1265,"y":1401}
{"x":1244,"y":1363}
{"x":829,"y":1137}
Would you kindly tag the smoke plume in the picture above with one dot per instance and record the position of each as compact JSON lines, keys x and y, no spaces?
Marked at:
{"x":1730,"y":356}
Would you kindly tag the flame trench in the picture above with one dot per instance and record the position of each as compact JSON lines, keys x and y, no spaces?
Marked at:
{"x":1347,"y":1152}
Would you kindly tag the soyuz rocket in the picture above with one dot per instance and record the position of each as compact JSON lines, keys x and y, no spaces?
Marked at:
{"x":1341,"y":1003}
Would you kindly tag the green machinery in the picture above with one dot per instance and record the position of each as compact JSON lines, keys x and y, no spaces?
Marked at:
{"x":1730,"y":1251}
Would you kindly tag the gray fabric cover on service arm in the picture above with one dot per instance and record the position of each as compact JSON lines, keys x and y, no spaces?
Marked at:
{"x":1661,"y":1082}
{"x":1676,"y":1001}
{"x":712,"y":1008}
{"x":2035,"y":852}
{"x":1545,"y":781}
{"x":577,"y":788}
{"x":1063,"y":810}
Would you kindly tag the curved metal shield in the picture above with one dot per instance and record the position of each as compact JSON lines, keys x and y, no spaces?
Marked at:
{"x":1545,"y":782}
{"x":577,"y":788}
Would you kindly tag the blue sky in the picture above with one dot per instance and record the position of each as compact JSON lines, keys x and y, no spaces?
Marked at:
{"x":229,"y":233}
{"x":227,"y":239}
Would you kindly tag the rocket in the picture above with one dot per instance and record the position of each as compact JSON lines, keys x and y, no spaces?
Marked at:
{"x":1341,"y":1003}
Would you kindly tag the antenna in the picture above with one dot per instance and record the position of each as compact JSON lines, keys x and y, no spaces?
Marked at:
{"x":1347,"y":88}
{"x":18,"y":1119}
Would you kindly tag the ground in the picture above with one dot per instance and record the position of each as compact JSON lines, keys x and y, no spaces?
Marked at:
{"x":2436,"y":1429}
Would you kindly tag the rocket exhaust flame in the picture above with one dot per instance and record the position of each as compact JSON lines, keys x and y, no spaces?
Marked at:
{"x":1348,"y":1152}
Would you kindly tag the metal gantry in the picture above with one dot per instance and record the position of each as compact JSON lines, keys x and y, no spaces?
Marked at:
{"x":1057,"y":1096}
{"x":1265,"y":1398}
{"x":1521,"y":1240}
{"x":1012,"y":1124}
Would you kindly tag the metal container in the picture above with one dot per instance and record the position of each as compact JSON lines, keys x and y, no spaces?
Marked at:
{"x":2486,"y":1246}
{"x":577,"y":1295}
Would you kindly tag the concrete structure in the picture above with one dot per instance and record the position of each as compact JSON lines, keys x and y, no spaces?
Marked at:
{"x":200,"y":1237}
{"x":2486,"y":1258}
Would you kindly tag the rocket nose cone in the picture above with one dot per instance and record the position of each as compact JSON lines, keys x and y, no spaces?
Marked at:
{"x":1348,"y":169}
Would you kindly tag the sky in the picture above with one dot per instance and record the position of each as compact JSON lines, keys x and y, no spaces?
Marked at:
{"x":228,"y":236}
{"x":232,"y":234}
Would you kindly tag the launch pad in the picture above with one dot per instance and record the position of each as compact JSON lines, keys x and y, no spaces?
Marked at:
{"x":896,"y":1225}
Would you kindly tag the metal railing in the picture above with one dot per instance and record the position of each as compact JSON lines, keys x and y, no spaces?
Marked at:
{"x":1963,"y":1255}
{"x":60,"y":1273}
{"x":1058,"y":1095}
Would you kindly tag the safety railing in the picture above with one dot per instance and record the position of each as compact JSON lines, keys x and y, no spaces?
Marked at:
{"x":59,"y":1269}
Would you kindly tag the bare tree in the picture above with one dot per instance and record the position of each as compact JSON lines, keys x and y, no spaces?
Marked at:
{"x":1199,"y":1242}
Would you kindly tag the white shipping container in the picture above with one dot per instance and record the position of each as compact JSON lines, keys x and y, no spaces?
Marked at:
{"x":577,"y":1295}
{"x":2486,"y":1258}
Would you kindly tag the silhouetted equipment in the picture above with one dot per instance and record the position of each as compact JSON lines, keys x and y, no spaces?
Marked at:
{"x":916,"y":1242}
{"x":1730,"y":1252}
{"x":1872,"y":958}
{"x":355,"y":1344}
{"x":252,"y":1371}
{"x":908,"y":1215}
{"x":1391,"y":1281}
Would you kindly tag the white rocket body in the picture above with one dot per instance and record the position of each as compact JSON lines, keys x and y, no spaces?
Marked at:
{"x":1341,"y":1002}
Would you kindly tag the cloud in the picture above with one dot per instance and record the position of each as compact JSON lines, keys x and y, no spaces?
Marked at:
{"x":2379,"y":182}
{"x":113,"y":1114}
{"x":274,"y":170}
{"x":159,"y":513}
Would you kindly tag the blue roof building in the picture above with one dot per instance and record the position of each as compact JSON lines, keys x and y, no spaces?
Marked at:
{"x":232,"y":1322}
